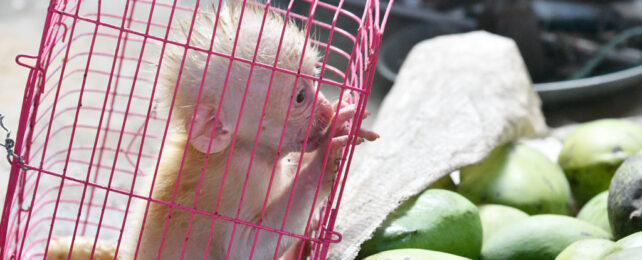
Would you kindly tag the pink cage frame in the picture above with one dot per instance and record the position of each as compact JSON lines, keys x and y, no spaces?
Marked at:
{"x":44,"y":117}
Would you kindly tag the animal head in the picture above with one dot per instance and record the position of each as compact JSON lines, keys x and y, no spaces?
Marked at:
{"x":215,"y":118}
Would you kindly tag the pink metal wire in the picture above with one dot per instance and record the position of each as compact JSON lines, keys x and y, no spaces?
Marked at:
{"x":84,"y":156}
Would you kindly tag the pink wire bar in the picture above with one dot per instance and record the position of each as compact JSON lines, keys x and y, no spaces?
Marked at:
{"x":90,"y":125}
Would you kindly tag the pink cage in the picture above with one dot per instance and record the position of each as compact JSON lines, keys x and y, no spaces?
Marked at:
{"x":90,"y":129}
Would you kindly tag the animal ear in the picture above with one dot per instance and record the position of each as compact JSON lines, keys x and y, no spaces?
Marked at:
{"x":202,"y":131}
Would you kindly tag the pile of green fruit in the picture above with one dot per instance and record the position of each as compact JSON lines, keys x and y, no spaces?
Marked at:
{"x":518,"y":204}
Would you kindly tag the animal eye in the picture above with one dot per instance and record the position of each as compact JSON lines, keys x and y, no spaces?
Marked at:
{"x":300,"y":96}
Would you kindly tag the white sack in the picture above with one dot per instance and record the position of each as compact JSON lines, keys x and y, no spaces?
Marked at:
{"x":455,"y":99}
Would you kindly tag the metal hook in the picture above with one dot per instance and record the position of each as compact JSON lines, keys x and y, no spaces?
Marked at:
{"x":2,"y":125}
{"x":9,"y":144}
{"x":64,"y":27}
{"x":18,"y":60}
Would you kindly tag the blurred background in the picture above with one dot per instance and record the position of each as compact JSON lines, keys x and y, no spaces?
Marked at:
{"x":584,"y":56}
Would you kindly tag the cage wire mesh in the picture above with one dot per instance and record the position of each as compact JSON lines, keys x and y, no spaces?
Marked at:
{"x":92,"y":128}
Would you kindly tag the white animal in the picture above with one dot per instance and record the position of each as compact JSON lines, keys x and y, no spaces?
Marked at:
{"x":213,"y":123}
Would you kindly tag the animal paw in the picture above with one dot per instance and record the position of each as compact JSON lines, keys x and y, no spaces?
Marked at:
{"x":341,"y":138}
{"x":346,"y":113}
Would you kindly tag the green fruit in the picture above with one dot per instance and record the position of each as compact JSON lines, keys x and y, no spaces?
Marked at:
{"x":437,"y":219}
{"x":445,"y":183}
{"x":595,"y":212}
{"x":518,"y":176}
{"x":593,"y":151}
{"x":625,"y":254}
{"x":413,"y":254}
{"x":538,"y":237}
{"x":494,"y":217}
{"x":630,"y":242}
{"x":585,"y":249}
{"x":625,"y":198}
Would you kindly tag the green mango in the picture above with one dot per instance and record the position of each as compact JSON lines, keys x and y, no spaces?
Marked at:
{"x":624,"y":254}
{"x":538,"y":237}
{"x":592,"y":153}
{"x":436,"y":219}
{"x":413,"y":254}
{"x":629,"y":242}
{"x":585,"y":249}
{"x":595,"y":211}
{"x":518,"y":176}
{"x":494,"y":216}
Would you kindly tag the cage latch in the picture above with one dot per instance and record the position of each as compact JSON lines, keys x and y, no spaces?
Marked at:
{"x":21,"y":63}
{"x":9,"y":145}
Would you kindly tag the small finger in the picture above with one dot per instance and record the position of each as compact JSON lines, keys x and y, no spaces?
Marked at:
{"x":338,"y":142}
{"x":346,"y":96}
{"x":363,"y":133}
{"x":345,"y":114}
{"x":342,"y":101}
{"x":368,"y":135}
{"x":366,"y":114}
{"x":336,"y":105}
{"x":342,"y":130}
